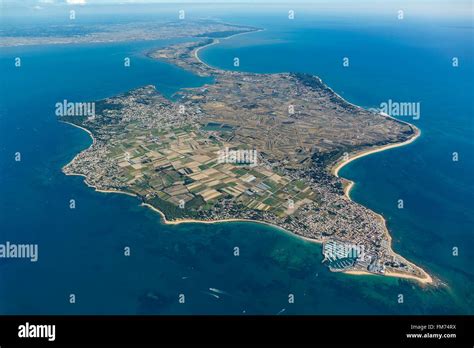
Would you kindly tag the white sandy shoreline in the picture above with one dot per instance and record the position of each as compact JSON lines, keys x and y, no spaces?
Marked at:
{"x":425,"y":280}
{"x":335,"y":170}
{"x":215,"y":41}
{"x":193,"y":221}
{"x":84,"y":129}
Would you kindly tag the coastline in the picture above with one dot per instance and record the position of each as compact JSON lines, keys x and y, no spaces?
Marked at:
{"x":209,"y":222}
{"x":84,"y":129}
{"x":426,"y":279}
{"x":340,"y":164}
{"x":423,"y":280}
{"x":177,"y":221}
{"x":215,"y":42}
{"x":85,"y":178}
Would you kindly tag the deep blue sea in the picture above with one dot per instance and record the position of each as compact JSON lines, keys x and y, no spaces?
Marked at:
{"x":81,"y":250}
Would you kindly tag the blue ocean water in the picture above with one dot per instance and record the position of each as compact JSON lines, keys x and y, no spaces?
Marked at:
{"x":81,"y":250}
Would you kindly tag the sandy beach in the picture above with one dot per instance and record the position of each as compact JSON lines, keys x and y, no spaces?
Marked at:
{"x":196,"y":52}
{"x":337,"y":167}
{"x":426,"y":279}
{"x":84,"y":129}
{"x":215,"y":42}
{"x":335,"y":170}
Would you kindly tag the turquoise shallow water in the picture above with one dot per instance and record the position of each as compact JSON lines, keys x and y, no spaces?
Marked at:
{"x":81,"y":250}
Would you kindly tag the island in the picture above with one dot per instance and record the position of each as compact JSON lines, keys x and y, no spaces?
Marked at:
{"x":264,"y":148}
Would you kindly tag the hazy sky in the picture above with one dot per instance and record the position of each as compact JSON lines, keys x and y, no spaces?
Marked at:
{"x":448,"y":3}
{"x":457,"y":8}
